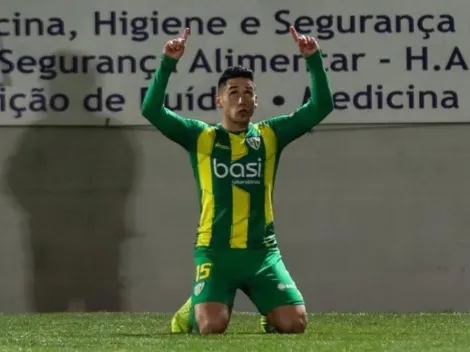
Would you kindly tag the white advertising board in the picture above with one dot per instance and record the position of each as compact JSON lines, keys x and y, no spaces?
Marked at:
{"x":88,"y":62}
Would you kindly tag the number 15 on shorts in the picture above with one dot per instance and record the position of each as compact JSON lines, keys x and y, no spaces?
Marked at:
{"x":203,"y":271}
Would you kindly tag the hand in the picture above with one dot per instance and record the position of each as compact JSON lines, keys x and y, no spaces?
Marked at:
{"x":307,"y":45}
{"x":175,"y":48}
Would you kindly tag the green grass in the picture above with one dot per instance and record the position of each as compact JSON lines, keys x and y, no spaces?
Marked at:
{"x":149,"y":332}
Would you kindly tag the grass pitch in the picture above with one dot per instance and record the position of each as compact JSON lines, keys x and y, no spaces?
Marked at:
{"x":150,"y":332}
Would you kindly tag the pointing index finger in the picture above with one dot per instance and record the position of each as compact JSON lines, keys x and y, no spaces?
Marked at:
{"x":294,"y":33}
{"x":186,"y":34}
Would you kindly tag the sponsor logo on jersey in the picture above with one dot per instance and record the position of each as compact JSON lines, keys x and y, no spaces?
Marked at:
{"x":221,"y":146}
{"x":283,"y":287}
{"x":241,"y":173}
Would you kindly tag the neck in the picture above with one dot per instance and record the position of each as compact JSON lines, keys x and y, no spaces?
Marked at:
{"x":234,"y":126}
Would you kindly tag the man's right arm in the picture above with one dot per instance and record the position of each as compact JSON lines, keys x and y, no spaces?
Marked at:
{"x":181,"y":130}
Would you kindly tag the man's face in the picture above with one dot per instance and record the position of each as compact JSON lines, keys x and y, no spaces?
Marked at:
{"x":238,"y":100}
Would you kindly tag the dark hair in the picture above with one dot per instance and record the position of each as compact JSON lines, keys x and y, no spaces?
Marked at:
{"x":235,"y":72}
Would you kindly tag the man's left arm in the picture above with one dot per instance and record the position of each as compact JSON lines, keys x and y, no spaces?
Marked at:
{"x":288,"y":128}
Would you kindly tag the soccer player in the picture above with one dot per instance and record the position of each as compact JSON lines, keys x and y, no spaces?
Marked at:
{"x":235,"y":163}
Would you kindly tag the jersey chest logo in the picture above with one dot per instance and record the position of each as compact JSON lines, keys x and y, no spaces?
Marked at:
{"x":254,"y":142}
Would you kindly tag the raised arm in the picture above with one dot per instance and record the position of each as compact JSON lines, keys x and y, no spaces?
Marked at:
{"x":287,"y":128}
{"x":181,"y":130}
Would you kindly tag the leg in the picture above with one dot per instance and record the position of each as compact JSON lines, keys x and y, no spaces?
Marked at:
{"x":288,"y":319}
{"x":199,"y":317}
{"x":275,"y":294}
{"x":208,"y":309}
{"x":212,"y":317}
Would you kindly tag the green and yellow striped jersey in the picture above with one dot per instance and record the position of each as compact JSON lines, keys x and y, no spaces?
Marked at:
{"x":235,"y":172}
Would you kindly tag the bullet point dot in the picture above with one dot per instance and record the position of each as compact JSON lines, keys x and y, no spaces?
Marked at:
{"x":278,"y":100}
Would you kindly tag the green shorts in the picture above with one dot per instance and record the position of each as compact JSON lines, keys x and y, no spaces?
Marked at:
{"x":259,"y":273}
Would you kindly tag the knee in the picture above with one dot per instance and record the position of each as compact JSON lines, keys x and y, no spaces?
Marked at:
{"x":212,"y":318}
{"x":290,"y":322}
{"x":297,"y":325}
{"x":212,"y":326}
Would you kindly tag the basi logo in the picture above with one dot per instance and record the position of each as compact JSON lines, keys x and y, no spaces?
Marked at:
{"x":240,"y":173}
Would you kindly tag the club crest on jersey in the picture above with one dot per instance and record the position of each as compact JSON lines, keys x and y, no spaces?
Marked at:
{"x":254,"y":142}
{"x":198,"y":288}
